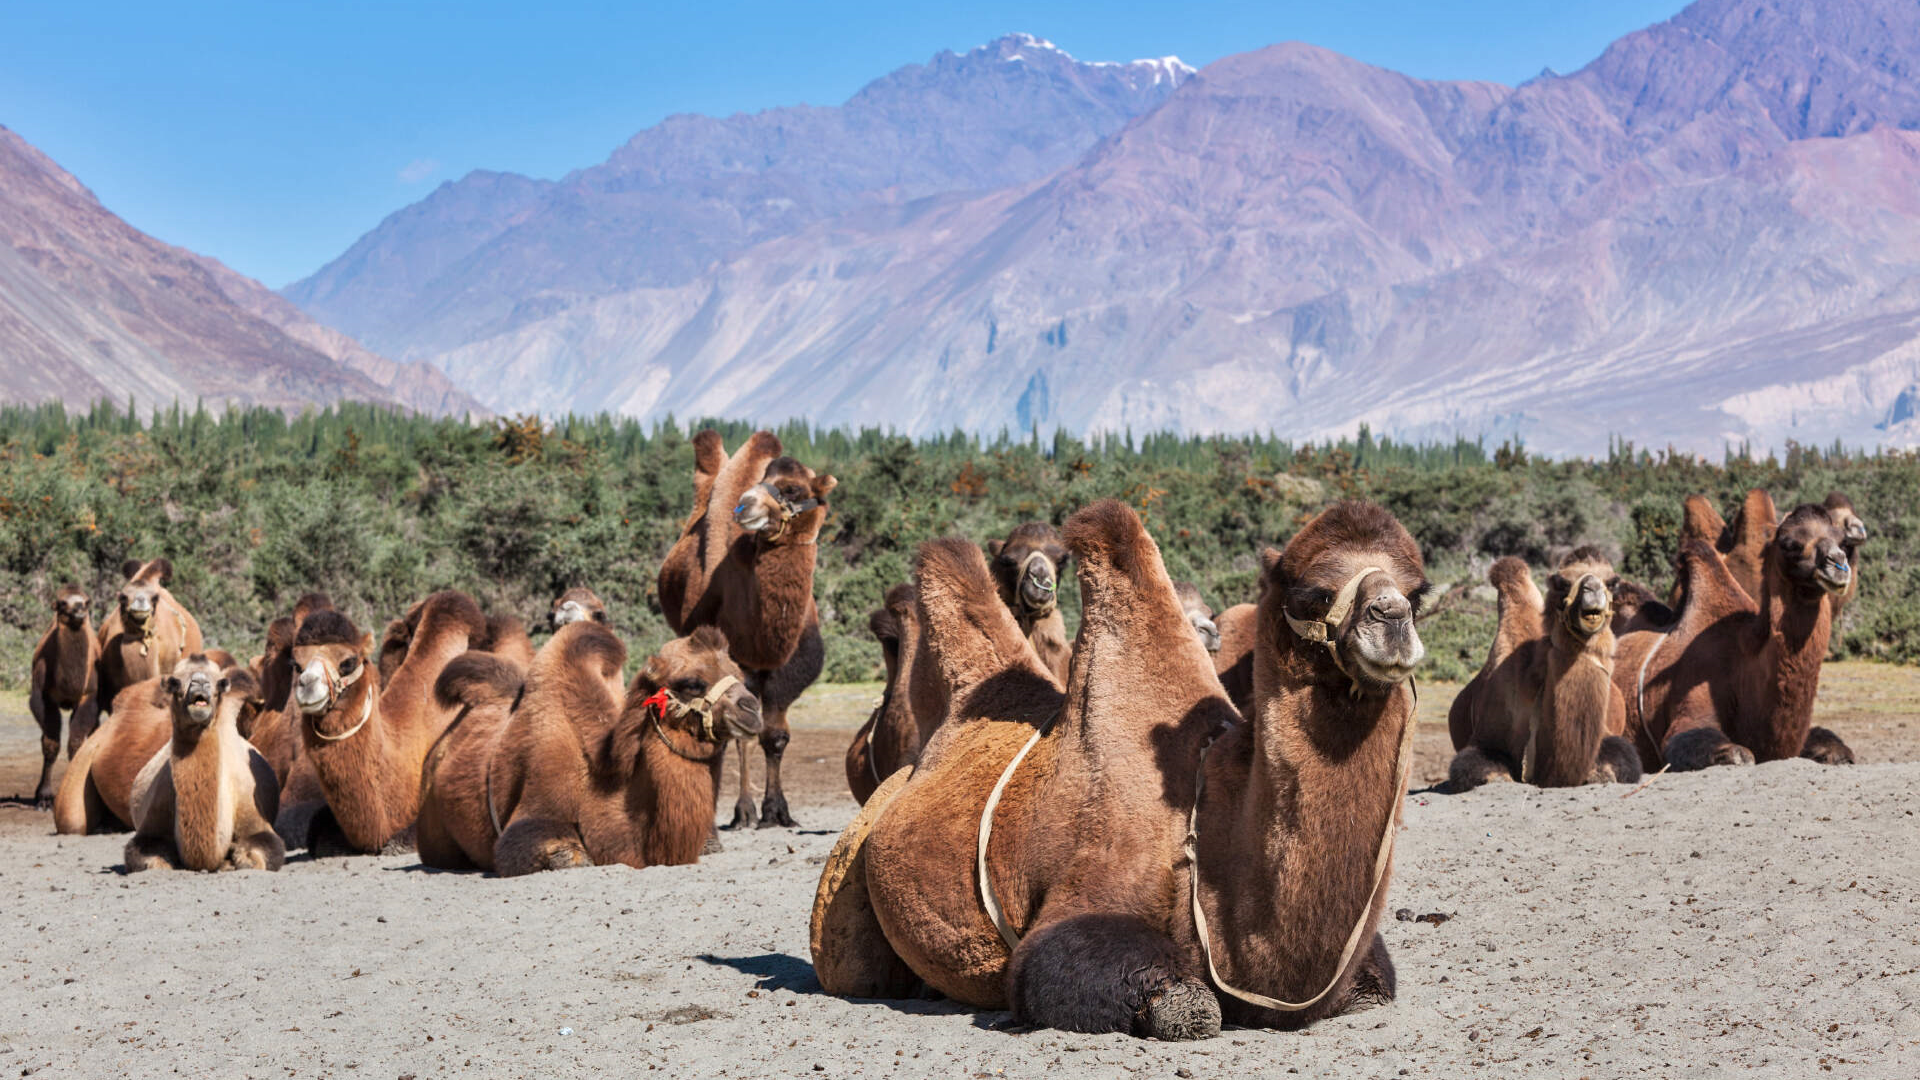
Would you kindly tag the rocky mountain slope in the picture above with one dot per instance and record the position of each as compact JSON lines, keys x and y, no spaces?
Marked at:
{"x":1710,"y":234}
{"x":91,"y":307}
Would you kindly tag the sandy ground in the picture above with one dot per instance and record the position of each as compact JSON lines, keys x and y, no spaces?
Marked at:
{"x":1761,"y":921}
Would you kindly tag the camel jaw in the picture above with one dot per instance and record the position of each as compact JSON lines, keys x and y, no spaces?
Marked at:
{"x":1834,"y":579}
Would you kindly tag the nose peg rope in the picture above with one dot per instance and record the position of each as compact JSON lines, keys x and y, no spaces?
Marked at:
{"x":1038,"y":611}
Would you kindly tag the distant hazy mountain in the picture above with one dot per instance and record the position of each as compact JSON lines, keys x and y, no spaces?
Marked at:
{"x":91,"y":307}
{"x":1709,"y":234}
{"x":494,"y":251}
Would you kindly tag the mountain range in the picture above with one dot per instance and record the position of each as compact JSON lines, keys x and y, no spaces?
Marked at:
{"x":1708,"y":235}
{"x":92,"y":308}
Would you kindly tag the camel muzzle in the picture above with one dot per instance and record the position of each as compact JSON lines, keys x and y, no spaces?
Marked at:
{"x":198,"y":699}
{"x":1834,"y":574}
{"x":1386,"y":647}
{"x":314,"y":690}
{"x":569,"y":612}
{"x":1209,"y":633}
{"x":138,"y":608}
{"x":743,"y":716}
{"x":1589,"y":606}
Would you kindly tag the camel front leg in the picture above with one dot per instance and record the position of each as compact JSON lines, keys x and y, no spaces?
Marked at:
{"x":1478,"y":765}
{"x":86,"y":717}
{"x":743,"y":813}
{"x":47,"y":715}
{"x":1616,"y":762}
{"x":1376,"y":983}
{"x":1826,"y":748}
{"x":1702,"y":748}
{"x":264,"y":850}
{"x":151,"y":853}
{"x":1101,"y":973}
{"x":533,"y":844}
{"x":773,"y":743}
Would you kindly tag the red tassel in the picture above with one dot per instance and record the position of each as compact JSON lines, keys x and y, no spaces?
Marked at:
{"x":658,"y":702}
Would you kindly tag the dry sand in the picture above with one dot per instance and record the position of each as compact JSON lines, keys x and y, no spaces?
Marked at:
{"x":1761,"y":921}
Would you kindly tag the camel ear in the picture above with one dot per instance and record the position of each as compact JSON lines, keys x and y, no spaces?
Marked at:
{"x":164,"y":569}
{"x":824,"y":485}
{"x":366,"y":644}
{"x":163,"y":693}
{"x":130,"y":568}
{"x":994,"y":547}
{"x":1270,"y":561}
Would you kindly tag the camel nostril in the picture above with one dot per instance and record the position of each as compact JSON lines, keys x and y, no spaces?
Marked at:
{"x":1390,"y":607}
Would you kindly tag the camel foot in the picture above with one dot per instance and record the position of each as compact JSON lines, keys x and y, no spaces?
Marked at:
{"x":150,"y":853}
{"x":403,"y":842}
{"x":1616,"y":763}
{"x":713,"y":846}
{"x":743,"y":814}
{"x":1180,"y":1012}
{"x":325,"y":838}
{"x":261,"y":851}
{"x":1375,"y":984}
{"x":43,"y":800}
{"x":1476,"y":766}
{"x":1703,"y":748}
{"x":1826,"y":748}
{"x":773,"y":813}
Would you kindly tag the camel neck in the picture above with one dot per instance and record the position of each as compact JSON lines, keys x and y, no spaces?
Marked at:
{"x":1797,"y":629}
{"x":366,"y":789}
{"x":1579,"y":688}
{"x":203,"y":796}
{"x":678,"y":796}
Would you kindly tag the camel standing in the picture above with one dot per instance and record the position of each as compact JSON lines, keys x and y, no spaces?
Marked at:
{"x":207,"y":800}
{"x":1102,"y":924}
{"x":574,"y":773}
{"x":1026,"y":569}
{"x":1543,"y":708}
{"x":1733,"y":679}
{"x":365,"y":746}
{"x":61,"y":679}
{"x":147,"y":633}
{"x":744,"y":563}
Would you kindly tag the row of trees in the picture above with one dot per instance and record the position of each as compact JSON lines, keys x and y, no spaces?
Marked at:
{"x":378,"y":508}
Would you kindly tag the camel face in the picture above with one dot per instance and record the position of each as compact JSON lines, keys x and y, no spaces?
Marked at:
{"x":1026,"y":567}
{"x":689,"y":668}
{"x":141,"y":594}
{"x":1582,"y":594}
{"x":70,"y":607}
{"x":321,"y":668}
{"x":1199,"y":614}
{"x":195,"y":689}
{"x":1352,"y":578}
{"x":789,"y":491}
{"x":1853,"y":530}
{"x":576,"y":605}
{"x":1811,"y":548}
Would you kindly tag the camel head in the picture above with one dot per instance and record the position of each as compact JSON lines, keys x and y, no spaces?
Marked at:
{"x":1198,"y":613}
{"x":706,"y":693}
{"x":1580,"y":593}
{"x":789,"y":504}
{"x":141,"y":594}
{"x":310,"y":603}
{"x":576,"y":605}
{"x":70,"y":606}
{"x":195,"y":690}
{"x":1348,"y":587}
{"x":330,"y":654}
{"x":1811,"y":548}
{"x":1027,"y":566}
{"x":1852,"y":529}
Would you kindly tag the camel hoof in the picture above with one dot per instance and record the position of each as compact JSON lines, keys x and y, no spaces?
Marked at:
{"x":1825,"y":747}
{"x":1183,"y":1011}
{"x":773,"y":814}
{"x":45,"y":802}
{"x":713,"y":845}
{"x":1733,"y":754}
{"x":743,"y":815}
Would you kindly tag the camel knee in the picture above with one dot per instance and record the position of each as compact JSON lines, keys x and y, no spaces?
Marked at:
{"x":1475,"y":766}
{"x":773,"y":742}
{"x":1616,"y":762}
{"x":150,"y":853}
{"x":1703,"y":748}
{"x":261,"y":851}
{"x":1826,"y":748}
{"x":1101,"y":973}
{"x":532,"y":845}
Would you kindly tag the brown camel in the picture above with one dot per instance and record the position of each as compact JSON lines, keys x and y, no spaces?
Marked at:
{"x":890,"y":739}
{"x":744,"y":563}
{"x":1233,"y":661}
{"x":62,"y":678}
{"x":1733,"y":679}
{"x":366,"y":746}
{"x":1543,"y":708}
{"x":1742,"y":539}
{"x":574,"y":605}
{"x":96,"y":792}
{"x":504,"y":635}
{"x":1289,"y":814}
{"x":147,"y":633}
{"x":1199,"y":615}
{"x":574,"y":773}
{"x":1853,"y":536}
{"x":273,"y":668}
{"x":207,"y":800}
{"x":1026,"y":569}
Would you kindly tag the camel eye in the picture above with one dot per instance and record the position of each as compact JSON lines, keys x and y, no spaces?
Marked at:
{"x":690,"y":686}
{"x":348,"y":665}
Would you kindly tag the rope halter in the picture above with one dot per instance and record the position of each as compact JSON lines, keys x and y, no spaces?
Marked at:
{"x":788,"y":511}
{"x":1326,"y":628}
{"x":337,"y":687}
{"x":665,"y":702}
{"x":1046,"y":608}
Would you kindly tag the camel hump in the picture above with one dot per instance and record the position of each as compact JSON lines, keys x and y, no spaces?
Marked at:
{"x":884,"y":626}
{"x":453,"y":611}
{"x":1108,"y":539}
{"x":1700,"y":521}
{"x":1511,"y":575}
{"x":709,"y":452}
{"x":474,"y":679}
{"x":1710,"y":589}
{"x":971,"y":634}
{"x":590,"y":646}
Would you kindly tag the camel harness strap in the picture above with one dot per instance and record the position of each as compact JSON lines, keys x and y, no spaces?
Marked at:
{"x":1324,"y":628}
{"x":664,"y":701}
{"x":987,"y":899}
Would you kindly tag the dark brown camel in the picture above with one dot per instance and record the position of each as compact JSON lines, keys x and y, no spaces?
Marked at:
{"x":62,"y":677}
{"x":1733,"y":679}
{"x":1291,"y":811}
{"x":890,"y":739}
{"x":745,"y":565}
{"x":569,"y":771}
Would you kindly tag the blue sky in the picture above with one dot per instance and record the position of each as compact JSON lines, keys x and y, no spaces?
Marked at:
{"x":272,"y":135}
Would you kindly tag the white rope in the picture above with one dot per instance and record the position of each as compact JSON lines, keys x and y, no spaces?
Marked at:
{"x":987,"y":899}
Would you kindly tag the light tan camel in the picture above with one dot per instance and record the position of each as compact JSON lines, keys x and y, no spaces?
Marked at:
{"x":1102,"y":924}
{"x":1733,"y":680}
{"x":205,"y":801}
{"x":1543,"y":708}
{"x":574,"y":773}
{"x":147,"y":633}
{"x":62,"y":677}
{"x":744,"y":563}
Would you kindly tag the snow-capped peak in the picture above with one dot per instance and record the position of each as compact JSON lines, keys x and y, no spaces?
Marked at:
{"x":1015,"y":48}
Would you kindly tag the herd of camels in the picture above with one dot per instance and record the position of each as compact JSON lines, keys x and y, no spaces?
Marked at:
{"x":1164,"y":823}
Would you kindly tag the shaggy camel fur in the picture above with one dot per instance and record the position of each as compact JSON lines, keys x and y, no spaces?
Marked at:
{"x":1086,"y":854}
{"x":569,"y":775}
{"x":147,"y":633}
{"x":206,"y":801}
{"x":504,"y":635}
{"x":574,"y":605}
{"x":61,"y":679}
{"x":1543,"y":708}
{"x":1733,"y":679}
{"x":96,"y":792}
{"x":1742,"y":540}
{"x":890,"y":739}
{"x":273,"y":668}
{"x":364,"y":745}
{"x":744,"y":563}
{"x":1026,"y":569}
